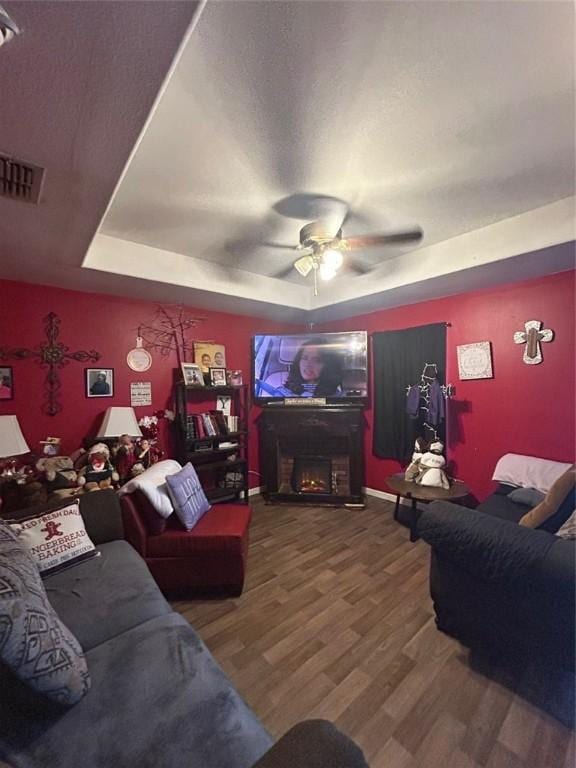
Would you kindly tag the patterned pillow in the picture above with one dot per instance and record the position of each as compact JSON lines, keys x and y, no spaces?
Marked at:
{"x":34,"y":643}
{"x":188,"y":498}
{"x":56,"y":539}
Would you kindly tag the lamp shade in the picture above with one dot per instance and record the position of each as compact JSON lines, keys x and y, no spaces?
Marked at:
{"x":12,"y":441}
{"x":119,"y":421}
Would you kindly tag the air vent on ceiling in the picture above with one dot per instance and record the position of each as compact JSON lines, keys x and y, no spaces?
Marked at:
{"x":20,"y":180}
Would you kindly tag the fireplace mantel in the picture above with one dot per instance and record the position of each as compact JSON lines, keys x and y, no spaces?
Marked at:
{"x":292,"y":436}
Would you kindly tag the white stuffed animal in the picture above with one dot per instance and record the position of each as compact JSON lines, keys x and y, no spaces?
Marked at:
{"x":432,"y":466}
{"x":413,"y":469}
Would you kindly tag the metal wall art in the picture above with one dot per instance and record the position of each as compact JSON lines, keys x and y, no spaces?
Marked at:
{"x":51,"y":355}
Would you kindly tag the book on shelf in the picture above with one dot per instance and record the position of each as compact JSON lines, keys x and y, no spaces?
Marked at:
{"x":208,"y":424}
{"x":232,"y":423}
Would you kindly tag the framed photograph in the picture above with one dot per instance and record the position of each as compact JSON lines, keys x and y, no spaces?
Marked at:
{"x":474,"y":360}
{"x":6,"y":383}
{"x":208,"y":355}
{"x":192,"y":375}
{"x":99,"y":382}
{"x":218,"y":377}
{"x":235,"y":378}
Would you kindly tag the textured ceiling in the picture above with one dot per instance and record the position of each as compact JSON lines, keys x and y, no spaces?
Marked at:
{"x":457,"y":116}
{"x":449,"y":115}
{"x":76,"y":88}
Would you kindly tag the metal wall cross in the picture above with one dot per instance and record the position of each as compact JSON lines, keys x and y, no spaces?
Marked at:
{"x":532,"y":337}
{"x":51,"y":355}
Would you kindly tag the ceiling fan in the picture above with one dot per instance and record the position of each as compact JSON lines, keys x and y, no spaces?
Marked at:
{"x":325,"y":250}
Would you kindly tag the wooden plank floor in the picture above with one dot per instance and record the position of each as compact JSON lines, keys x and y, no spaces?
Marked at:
{"x":336,"y":622}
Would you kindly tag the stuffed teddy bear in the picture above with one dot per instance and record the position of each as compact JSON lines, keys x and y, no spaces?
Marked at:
{"x":432,"y":466}
{"x":60,"y":476}
{"x":413,"y":469}
{"x":125,"y":457}
{"x":98,"y":473}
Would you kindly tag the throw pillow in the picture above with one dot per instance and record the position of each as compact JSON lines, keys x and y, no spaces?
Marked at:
{"x":529,"y":496}
{"x":152,"y":483}
{"x":568,"y":530}
{"x":56,"y":539}
{"x":556,"y":507}
{"x":34,"y":643}
{"x":188,"y":497}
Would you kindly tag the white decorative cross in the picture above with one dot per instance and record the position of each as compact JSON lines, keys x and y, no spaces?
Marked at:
{"x":532,"y":337}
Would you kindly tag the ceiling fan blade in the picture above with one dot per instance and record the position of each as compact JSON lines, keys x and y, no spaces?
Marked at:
{"x":278,"y":246}
{"x":370,"y":241}
{"x":242,"y":248}
{"x":283,"y":273}
{"x":356,"y":266}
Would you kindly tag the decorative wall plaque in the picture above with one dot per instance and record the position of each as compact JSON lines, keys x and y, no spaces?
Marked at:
{"x":532,"y":336}
{"x":140,"y":393}
{"x":474,"y":360}
{"x":139,"y":359}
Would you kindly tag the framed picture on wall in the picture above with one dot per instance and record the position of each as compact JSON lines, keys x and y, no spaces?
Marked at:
{"x":99,"y":382}
{"x":192,"y":375}
{"x":218,"y":377}
{"x":6,"y":383}
{"x":208,"y":355}
{"x":474,"y":360}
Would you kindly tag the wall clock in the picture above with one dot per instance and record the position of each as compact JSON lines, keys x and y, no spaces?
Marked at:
{"x":139,"y":359}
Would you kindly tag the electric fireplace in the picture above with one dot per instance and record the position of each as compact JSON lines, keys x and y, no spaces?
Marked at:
{"x":312,"y":455}
{"x":312,"y":474}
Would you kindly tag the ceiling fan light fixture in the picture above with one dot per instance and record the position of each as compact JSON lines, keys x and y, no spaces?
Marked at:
{"x":8,"y":27}
{"x":304,"y":265}
{"x":327,"y":272}
{"x":332,"y":258}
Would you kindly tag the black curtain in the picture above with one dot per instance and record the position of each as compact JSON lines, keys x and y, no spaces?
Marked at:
{"x":399,"y":359}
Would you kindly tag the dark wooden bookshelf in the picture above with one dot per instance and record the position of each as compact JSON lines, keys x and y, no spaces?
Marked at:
{"x":214,"y":465}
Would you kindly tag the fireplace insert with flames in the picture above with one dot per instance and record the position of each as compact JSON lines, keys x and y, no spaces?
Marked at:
{"x":312,"y":474}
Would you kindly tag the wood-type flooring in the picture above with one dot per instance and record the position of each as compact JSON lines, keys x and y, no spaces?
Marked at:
{"x":336,"y":622}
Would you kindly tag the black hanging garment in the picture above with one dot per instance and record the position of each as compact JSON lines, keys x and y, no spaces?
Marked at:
{"x":399,"y":358}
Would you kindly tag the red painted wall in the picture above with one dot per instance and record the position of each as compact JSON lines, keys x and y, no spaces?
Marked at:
{"x":107,"y":324}
{"x":526,"y":409}
{"x":523,"y":409}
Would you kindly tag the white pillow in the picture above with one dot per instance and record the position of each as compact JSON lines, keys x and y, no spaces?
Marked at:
{"x":152,"y":483}
{"x":56,"y":539}
{"x":528,"y":471}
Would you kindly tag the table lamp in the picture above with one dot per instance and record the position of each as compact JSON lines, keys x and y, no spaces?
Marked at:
{"x":119,"y":421}
{"x":12,"y":442}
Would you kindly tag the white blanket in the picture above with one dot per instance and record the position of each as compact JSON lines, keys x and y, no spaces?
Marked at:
{"x":152,"y":483}
{"x":528,"y":471}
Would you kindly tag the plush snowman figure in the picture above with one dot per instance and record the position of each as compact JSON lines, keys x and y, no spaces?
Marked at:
{"x":432,"y":466}
{"x":413,"y":469}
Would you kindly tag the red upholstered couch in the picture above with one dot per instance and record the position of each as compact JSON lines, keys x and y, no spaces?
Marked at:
{"x":209,"y":558}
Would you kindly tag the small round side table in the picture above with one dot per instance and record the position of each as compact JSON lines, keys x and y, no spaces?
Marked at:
{"x":406,"y":489}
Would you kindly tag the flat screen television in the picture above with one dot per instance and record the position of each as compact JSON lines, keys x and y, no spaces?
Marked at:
{"x":328,"y":365}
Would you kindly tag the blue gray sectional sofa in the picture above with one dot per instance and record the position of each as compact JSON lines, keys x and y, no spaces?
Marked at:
{"x":507,"y":591}
{"x":158,"y":698}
